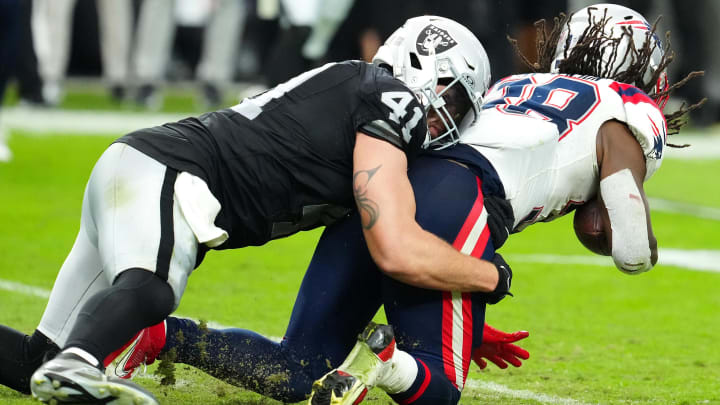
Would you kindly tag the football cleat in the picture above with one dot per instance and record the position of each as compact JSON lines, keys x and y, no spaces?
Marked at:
{"x":338,"y":387}
{"x":69,"y":379}
{"x":366,"y":364}
{"x":141,"y":350}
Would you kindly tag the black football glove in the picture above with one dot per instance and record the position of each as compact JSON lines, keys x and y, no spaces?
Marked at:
{"x":504,"y":280}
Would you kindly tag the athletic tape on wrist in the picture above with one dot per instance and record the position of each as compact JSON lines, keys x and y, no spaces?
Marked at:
{"x":628,"y":220}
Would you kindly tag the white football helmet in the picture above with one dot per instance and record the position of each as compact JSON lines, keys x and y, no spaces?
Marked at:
{"x":426,"y":50}
{"x":625,"y":25}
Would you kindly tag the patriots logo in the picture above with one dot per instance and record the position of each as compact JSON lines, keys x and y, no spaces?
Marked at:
{"x":432,"y":37}
{"x":636,"y":24}
{"x":641,"y":25}
{"x":659,"y":140}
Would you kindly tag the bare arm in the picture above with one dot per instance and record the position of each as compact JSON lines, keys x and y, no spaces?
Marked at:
{"x":399,"y":246}
{"x":617,"y":149}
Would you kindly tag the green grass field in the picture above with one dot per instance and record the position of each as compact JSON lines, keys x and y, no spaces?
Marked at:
{"x":596,"y":335}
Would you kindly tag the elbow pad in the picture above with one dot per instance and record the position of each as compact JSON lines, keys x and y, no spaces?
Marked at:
{"x":628,"y":220}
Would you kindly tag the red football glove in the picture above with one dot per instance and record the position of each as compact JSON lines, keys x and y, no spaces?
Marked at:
{"x":498,"y":348}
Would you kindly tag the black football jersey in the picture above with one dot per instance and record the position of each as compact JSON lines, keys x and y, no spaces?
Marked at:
{"x":282,"y":161}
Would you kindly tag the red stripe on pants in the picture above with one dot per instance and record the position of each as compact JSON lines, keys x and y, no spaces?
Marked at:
{"x":467,"y":334}
{"x":447,"y":337}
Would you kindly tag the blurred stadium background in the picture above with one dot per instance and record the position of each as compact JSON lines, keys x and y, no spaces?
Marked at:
{"x":135,"y":51}
{"x":81,"y":73}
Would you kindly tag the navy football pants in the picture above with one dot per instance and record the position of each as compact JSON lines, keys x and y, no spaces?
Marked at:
{"x":341,"y":292}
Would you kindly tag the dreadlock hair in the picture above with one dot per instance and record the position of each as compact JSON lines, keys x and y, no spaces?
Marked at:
{"x":585,"y":58}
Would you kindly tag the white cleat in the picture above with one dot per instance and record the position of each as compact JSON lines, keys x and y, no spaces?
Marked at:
{"x":69,"y":379}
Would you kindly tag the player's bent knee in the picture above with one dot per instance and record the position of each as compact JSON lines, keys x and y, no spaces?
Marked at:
{"x":153,"y":294}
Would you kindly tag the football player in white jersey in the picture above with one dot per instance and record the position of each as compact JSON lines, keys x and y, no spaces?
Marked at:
{"x":592,"y":127}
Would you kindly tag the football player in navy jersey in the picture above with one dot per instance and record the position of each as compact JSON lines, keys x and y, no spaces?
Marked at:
{"x":457,"y":191}
{"x":298,"y":156}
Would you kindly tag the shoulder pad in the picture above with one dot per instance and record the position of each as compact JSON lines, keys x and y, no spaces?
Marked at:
{"x":397,"y":115}
{"x":646,"y":122}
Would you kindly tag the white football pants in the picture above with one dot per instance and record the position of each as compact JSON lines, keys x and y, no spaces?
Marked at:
{"x":120,"y":228}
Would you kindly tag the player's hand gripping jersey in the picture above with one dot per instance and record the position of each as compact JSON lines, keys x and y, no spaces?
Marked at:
{"x":539,"y":132}
{"x":282,"y":161}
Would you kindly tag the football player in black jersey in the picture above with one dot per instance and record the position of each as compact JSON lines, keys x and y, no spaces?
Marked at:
{"x":293,"y":158}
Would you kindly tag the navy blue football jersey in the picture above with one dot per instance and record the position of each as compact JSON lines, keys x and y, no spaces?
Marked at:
{"x":282,"y":161}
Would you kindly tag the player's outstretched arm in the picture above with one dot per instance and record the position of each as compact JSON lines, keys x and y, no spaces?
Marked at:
{"x":399,"y":246}
{"x":627,"y":214}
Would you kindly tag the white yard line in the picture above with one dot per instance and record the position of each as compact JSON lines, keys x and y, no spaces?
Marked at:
{"x":700,"y":260}
{"x":560,"y":259}
{"x":14,"y":286}
{"x":79,"y":122}
{"x":676,"y":207}
{"x":521,"y":394}
{"x":25,"y":289}
{"x":702,"y":146}
{"x":696,"y":260}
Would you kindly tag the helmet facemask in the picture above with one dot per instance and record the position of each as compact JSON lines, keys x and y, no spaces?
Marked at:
{"x":451,"y":105}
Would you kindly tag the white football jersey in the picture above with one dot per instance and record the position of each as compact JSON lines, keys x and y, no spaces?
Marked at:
{"x":539,"y":132}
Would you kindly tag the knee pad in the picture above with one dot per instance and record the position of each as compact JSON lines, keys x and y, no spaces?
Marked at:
{"x":137,"y":299}
{"x":152,"y":295}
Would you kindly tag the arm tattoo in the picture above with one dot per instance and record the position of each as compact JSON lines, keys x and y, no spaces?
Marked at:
{"x":361,"y":179}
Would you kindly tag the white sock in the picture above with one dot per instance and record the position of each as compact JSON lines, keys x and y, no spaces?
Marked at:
{"x":82,"y":353}
{"x":401,"y":374}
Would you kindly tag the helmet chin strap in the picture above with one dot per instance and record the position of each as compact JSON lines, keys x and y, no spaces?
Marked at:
{"x":399,"y":71}
{"x":434,"y":83}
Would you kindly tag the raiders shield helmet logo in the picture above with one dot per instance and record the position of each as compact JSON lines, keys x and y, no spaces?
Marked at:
{"x":432,"y":37}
